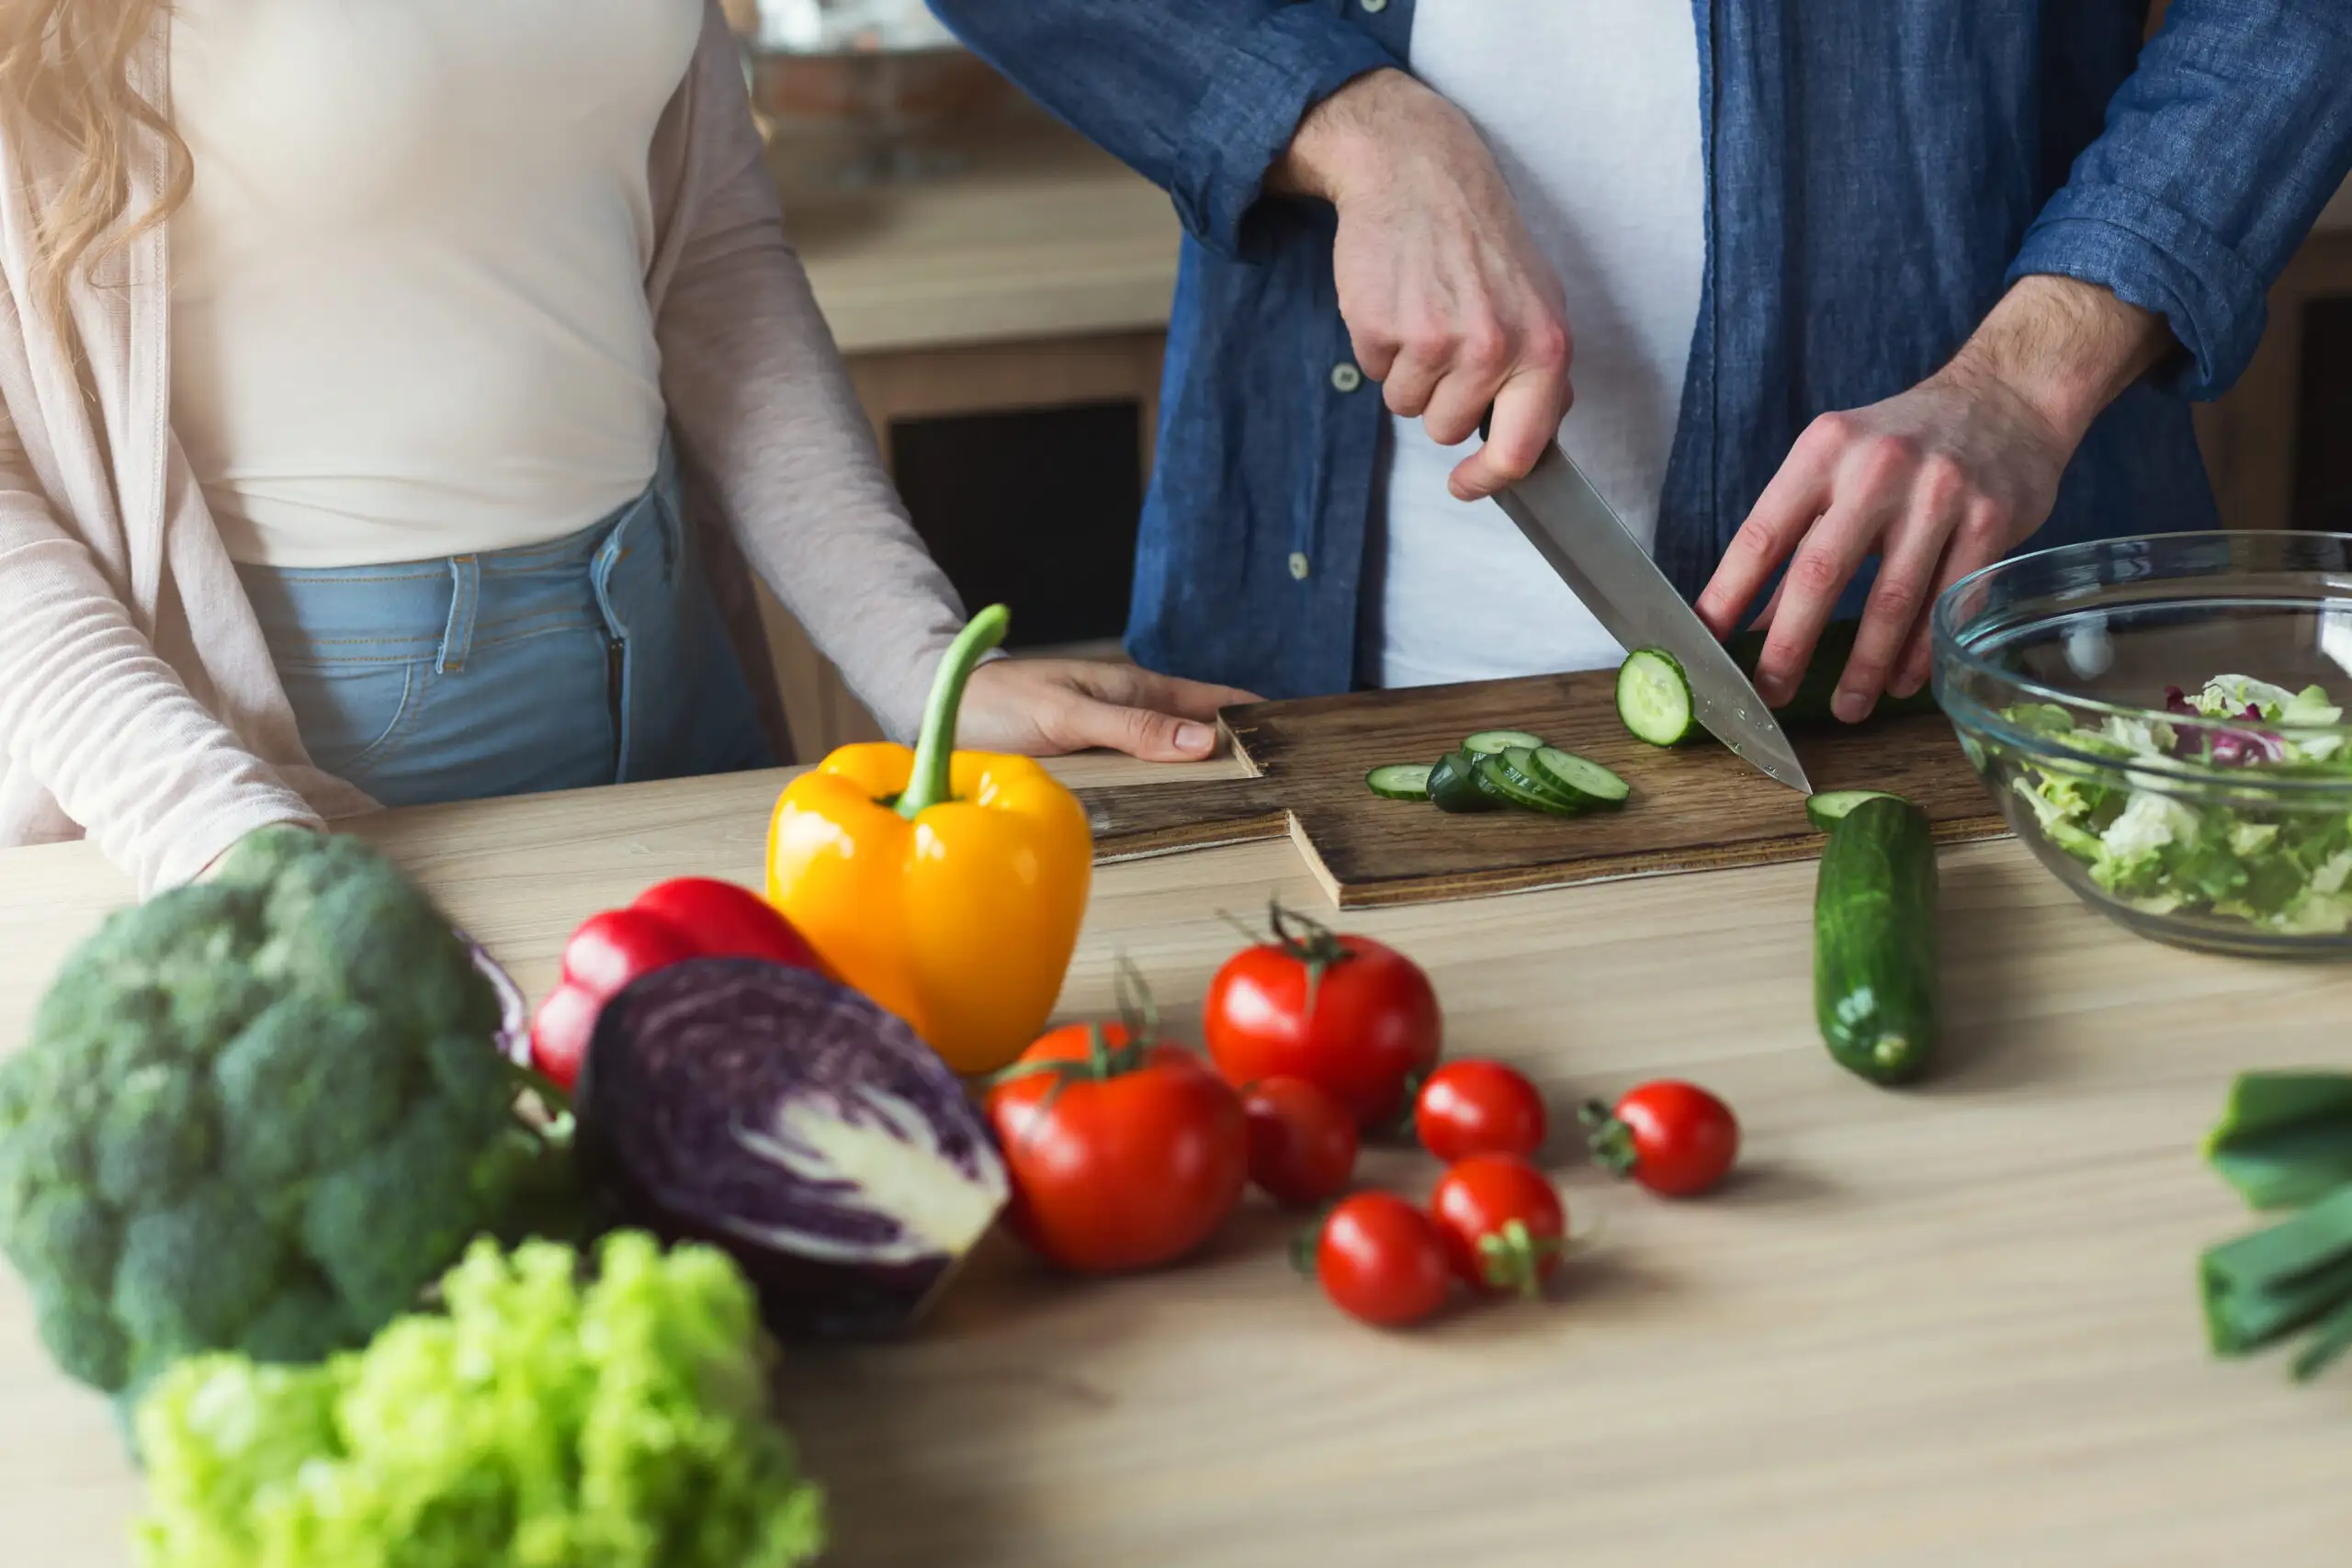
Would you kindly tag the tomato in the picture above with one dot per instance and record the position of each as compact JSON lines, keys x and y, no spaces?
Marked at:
{"x":1382,"y":1260}
{"x":1356,"y":1018}
{"x":688,"y":916}
{"x":1478,"y":1108}
{"x":1504,"y":1225}
{"x":1124,"y":1153}
{"x":1674,"y":1138}
{"x":1302,"y":1142}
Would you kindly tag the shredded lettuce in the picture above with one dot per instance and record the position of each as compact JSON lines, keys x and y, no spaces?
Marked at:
{"x":2163,"y":842}
{"x":538,"y":1422}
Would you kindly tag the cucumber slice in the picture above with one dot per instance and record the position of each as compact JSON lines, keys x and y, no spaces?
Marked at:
{"x":1825,"y":810}
{"x":1485,"y":778}
{"x":1654,"y":698}
{"x":1499,"y":782}
{"x":1453,"y":784}
{"x":1583,"y":781}
{"x":1493,"y":742}
{"x":1519,"y":766}
{"x":1399,"y":781}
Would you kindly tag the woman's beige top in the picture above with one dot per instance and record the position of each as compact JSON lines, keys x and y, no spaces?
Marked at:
{"x":408,"y":287}
{"x":137,"y":700}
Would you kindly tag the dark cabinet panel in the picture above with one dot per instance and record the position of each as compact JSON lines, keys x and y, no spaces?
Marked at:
{"x":1034,"y":509}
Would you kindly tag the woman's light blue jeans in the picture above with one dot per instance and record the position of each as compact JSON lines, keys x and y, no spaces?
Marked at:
{"x":598,"y":659}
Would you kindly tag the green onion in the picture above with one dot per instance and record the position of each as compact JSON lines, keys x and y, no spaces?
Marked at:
{"x":2285,"y":1139}
{"x":2260,"y":1288}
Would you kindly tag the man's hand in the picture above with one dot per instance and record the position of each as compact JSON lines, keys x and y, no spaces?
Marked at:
{"x":1044,"y":707}
{"x":1938,"y":482}
{"x":1448,"y":303}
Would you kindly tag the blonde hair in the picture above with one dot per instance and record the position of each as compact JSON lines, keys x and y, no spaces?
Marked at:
{"x":64,"y":77}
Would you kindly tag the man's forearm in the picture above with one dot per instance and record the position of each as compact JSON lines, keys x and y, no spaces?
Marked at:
{"x":2067,"y":348}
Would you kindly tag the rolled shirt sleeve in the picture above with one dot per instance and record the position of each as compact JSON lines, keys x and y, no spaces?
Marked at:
{"x":2218,"y":154}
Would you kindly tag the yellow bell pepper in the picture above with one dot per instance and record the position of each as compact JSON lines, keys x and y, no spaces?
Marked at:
{"x":947,"y":886}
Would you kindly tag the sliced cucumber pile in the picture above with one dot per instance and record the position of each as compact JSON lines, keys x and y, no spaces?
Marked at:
{"x":1654,"y":698}
{"x":1454,"y":786}
{"x":1504,"y":768}
{"x":1580,"y":779}
{"x":1830,"y":807}
{"x":1492,"y":743}
{"x":1514,"y":786}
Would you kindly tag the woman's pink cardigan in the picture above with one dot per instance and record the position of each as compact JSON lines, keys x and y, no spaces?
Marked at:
{"x":137,"y":700}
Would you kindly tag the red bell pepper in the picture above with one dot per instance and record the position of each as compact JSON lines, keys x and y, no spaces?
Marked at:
{"x":692,"y":917}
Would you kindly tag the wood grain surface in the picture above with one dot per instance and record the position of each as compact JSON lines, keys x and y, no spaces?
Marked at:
{"x":1951,"y":1327}
{"x":1694,"y":808}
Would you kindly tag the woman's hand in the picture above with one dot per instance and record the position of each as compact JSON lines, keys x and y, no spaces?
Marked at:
{"x":1044,"y":707}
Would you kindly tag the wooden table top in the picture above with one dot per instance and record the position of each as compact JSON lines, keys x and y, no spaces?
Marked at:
{"x":1948,"y":1328}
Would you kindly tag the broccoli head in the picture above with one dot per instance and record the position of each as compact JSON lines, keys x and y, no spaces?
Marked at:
{"x":261,"y":1114}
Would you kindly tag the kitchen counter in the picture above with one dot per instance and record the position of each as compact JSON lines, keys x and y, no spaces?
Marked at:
{"x":1039,"y":235}
{"x":1942,"y":1329}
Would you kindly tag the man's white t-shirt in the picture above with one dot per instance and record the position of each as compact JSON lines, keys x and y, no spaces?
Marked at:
{"x":1593,"y":110}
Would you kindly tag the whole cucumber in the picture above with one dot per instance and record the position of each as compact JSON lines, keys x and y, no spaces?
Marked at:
{"x":1874,"y":942}
{"x":1810,"y":703}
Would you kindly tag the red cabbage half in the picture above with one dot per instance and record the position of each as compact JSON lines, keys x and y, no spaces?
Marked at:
{"x":790,"y":1121}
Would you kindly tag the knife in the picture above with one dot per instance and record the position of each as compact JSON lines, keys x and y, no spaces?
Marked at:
{"x":1575,"y":528}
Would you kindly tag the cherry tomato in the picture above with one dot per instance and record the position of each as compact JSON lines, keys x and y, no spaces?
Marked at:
{"x":1356,"y":1018}
{"x":1125,"y":1153}
{"x":1504,"y":1225}
{"x":1478,"y":1108}
{"x":1383,"y":1261}
{"x":1674,"y":1138}
{"x":1302,"y":1142}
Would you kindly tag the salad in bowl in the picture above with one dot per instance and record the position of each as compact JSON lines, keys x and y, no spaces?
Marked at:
{"x":2210,"y":809}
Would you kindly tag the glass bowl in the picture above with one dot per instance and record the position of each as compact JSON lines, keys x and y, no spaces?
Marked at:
{"x":2200,"y":811}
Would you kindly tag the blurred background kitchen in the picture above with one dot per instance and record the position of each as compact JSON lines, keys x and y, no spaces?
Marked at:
{"x":1000,"y":290}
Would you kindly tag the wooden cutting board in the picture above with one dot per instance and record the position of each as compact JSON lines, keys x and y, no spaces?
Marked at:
{"x":1694,"y":808}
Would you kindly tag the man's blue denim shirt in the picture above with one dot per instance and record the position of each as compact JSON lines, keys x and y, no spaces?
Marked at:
{"x":1877,"y":171}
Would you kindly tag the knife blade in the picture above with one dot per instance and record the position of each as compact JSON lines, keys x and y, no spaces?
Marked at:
{"x":1580,"y":535}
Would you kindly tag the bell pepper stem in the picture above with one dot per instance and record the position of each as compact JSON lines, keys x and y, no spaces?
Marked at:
{"x":936,"y":747}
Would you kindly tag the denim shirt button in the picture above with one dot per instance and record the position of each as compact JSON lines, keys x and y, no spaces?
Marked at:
{"x":1376,"y":6}
{"x":1346,"y":377}
{"x":1298,"y":565}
